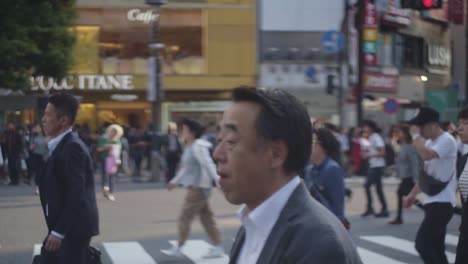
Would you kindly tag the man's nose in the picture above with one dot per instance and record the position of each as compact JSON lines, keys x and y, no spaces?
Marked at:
{"x":218,"y":153}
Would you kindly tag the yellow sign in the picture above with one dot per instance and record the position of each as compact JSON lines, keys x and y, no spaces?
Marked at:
{"x":370,"y":34}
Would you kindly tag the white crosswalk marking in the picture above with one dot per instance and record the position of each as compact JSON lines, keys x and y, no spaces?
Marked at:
{"x":37,"y":249}
{"x":133,"y":252}
{"x":369,"y":257}
{"x":451,"y":240}
{"x":196,"y":249}
{"x":128,"y":252}
{"x":400,"y":244}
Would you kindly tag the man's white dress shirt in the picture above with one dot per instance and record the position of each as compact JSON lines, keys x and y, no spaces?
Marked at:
{"x":259,"y":222}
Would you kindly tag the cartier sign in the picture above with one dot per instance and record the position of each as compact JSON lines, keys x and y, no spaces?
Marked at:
{"x":83,"y":82}
{"x":137,"y":15}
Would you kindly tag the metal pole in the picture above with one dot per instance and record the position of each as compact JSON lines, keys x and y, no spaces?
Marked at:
{"x":156,"y":93}
{"x":359,"y":88}
{"x":155,"y":47}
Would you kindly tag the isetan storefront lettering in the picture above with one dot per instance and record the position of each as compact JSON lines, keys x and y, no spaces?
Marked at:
{"x":83,"y":82}
{"x":137,"y":15}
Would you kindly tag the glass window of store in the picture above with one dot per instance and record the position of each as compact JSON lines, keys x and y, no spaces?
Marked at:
{"x":115,"y":40}
{"x":408,"y":51}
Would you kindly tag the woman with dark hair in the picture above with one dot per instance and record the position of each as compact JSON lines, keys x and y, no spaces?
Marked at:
{"x":324,"y":177}
{"x":374,"y":152}
{"x":408,"y":167}
{"x":197,"y":173}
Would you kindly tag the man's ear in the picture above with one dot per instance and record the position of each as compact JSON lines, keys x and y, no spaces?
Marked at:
{"x":279,"y":153}
{"x":64,"y":120}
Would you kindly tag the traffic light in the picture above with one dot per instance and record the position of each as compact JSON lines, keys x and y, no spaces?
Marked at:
{"x":421,"y":4}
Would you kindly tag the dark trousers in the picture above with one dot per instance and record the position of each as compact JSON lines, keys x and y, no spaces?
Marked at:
{"x":374,"y":176}
{"x":13,"y":169}
{"x":462,"y":247}
{"x":72,"y":251}
{"x":35,"y":166}
{"x":108,"y":180}
{"x":430,"y":239}
{"x":138,"y":158}
{"x":172,"y":159}
{"x":405,"y":187}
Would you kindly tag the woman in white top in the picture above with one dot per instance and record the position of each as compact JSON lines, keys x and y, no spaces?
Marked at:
{"x":374,"y":153}
{"x":198,"y":174}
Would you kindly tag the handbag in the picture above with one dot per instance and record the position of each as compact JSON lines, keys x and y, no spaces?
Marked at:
{"x":430,"y":185}
{"x":93,"y":257}
{"x":111,"y":165}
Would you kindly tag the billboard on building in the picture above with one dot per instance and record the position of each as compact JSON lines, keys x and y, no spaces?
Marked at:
{"x":301,"y":15}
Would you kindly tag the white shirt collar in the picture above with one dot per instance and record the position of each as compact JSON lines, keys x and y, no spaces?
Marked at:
{"x":53,"y":143}
{"x":264,"y":216}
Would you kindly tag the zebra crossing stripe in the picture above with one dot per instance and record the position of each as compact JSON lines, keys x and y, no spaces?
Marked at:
{"x":128,"y":252}
{"x":37,"y":250}
{"x":196,"y":249}
{"x":400,"y":244}
{"x":369,"y":257}
{"x":451,"y":240}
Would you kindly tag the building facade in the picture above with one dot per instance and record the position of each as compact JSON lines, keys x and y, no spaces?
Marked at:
{"x":209,"y":49}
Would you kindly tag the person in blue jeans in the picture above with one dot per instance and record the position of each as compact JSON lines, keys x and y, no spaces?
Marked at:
{"x":324,"y":177}
{"x":374,"y":153}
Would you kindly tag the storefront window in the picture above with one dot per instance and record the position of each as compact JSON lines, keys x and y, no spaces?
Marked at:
{"x":408,"y":51}
{"x":115,"y":41}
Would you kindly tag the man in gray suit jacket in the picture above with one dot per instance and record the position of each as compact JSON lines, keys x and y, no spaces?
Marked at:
{"x":264,"y":142}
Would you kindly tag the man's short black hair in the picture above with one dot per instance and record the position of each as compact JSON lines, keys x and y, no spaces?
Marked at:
{"x":282,"y":117}
{"x":195,"y":127}
{"x":66,"y":104}
{"x":372,"y":125}
{"x":463,"y":114}
{"x":327,"y":141}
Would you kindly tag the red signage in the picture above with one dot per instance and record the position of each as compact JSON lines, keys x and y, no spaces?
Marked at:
{"x":374,"y":81}
{"x":370,"y":59}
{"x":456,"y":11}
{"x":370,"y":15}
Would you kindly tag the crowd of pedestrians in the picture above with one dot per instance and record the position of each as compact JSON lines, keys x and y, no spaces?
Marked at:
{"x":268,"y":155}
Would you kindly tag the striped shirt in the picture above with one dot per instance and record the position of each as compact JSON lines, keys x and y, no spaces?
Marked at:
{"x":463,"y":183}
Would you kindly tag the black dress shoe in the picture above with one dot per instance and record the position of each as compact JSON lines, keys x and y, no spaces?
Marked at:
{"x":382,"y":214}
{"x":367,"y":213}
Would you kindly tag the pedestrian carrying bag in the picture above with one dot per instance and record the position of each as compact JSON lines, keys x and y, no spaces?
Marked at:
{"x":430,"y":185}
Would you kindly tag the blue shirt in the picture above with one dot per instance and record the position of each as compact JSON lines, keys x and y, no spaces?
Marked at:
{"x":327,"y":182}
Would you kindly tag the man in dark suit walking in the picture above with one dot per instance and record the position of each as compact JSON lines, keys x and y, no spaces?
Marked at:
{"x":67,"y":186}
{"x":264,"y":142}
{"x":14,"y":153}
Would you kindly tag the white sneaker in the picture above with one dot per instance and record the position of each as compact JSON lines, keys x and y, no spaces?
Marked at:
{"x":173,"y":252}
{"x":111,"y":197}
{"x":214,"y":252}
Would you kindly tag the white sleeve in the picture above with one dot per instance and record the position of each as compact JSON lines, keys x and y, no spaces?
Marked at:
{"x":206,"y":162}
{"x":444,"y":148}
{"x":378,"y":142}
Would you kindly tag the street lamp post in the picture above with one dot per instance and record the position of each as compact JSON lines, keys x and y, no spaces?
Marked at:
{"x":154,"y":86}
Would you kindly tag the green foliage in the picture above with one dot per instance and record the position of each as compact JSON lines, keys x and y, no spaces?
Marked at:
{"x":35,"y":39}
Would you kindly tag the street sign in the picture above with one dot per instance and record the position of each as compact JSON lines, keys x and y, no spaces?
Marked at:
{"x":391,"y":106}
{"x":370,"y":47}
{"x":332,"y":41}
{"x":311,"y":72}
{"x":370,"y":34}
